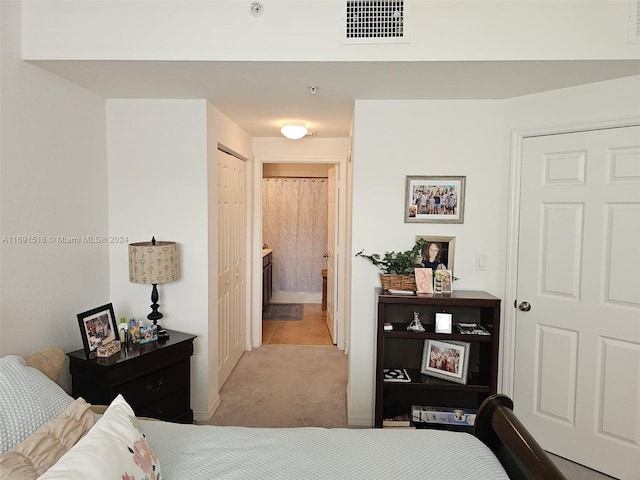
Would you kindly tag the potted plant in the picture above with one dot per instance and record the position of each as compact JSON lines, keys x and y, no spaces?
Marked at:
{"x":397,"y":268}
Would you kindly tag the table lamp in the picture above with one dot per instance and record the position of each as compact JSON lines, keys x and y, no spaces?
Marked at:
{"x":153,"y":263}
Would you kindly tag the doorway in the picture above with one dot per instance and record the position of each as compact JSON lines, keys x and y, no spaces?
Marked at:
{"x":337,"y":313}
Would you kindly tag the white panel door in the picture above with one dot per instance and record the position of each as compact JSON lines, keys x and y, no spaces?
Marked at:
{"x":577,"y":353}
{"x":231,"y":263}
{"x":331,"y":253}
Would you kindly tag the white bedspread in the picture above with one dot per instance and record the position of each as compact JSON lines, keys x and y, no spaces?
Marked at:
{"x":191,"y":452}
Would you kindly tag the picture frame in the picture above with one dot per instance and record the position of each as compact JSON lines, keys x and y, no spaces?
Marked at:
{"x":442,"y":281}
{"x":424,"y":280}
{"x":447,"y":360}
{"x":97,"y":327}
{"x":446,"y":251}
{"x":423,"y":194}
{"x":444,"y":322}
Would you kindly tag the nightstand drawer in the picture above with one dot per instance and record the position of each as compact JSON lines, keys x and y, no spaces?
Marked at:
{"x":169,"y":408}
{"x":156,"y":386}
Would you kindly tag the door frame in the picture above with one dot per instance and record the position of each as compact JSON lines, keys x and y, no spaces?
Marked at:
{"x":518,"y":136}
{"x":255,"y":319}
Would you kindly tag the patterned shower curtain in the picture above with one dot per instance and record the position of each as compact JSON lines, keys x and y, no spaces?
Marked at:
{"x":294,"y":225}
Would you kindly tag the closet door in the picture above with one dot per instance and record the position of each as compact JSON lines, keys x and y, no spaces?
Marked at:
{"x":231,"y":263}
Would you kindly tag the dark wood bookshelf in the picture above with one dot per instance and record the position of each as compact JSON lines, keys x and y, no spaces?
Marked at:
{"x":400,"y":348}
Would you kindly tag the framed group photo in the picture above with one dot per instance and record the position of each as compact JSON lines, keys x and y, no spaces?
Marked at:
{"x":448,"y":360}
{"x":97,"y":327}
{"x":435,"y":199}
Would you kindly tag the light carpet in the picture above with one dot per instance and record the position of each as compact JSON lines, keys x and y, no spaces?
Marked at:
{"x":286,"y":386}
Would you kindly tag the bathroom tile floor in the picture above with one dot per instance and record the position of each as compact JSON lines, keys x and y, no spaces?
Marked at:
{"x":311,"y":330}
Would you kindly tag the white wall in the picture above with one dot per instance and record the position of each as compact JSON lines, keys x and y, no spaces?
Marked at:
{"x":595,"y":102}
{"x":162,"y":183}
{"x":225,"y":30}
{"x":157,"y":157}
{"x":393,"y":139}
{"x":54,"y":183}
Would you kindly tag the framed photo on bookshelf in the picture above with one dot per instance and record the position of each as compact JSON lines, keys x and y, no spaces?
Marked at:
{"x":448,"y":360}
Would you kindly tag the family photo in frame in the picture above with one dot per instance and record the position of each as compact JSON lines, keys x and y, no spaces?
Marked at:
{"x":97,"y":327}
{"x":435,"y":199}
{"x":446,"y":360}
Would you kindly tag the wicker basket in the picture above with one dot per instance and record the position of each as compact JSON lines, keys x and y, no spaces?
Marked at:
{"x":398,"y":282}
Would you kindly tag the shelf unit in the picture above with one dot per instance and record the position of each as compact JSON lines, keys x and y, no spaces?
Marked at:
{"x":400,"y":348}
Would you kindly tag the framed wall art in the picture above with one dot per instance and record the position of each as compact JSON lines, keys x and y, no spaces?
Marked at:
{"x":97,"y":327}
{"x":437,"y":252}
{"x":436,"y":199}
{"x":446,"y":360}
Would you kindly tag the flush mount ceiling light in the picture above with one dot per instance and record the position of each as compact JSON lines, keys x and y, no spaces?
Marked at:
{"x":294,"y":130}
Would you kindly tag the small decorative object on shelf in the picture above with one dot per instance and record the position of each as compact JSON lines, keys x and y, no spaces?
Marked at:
{"x":109,"y":348}
{"x":396,"y":375}
{"x":443,"y":322}
{"x":424,"y":280}
{"x":416,"y":324}
{"x":388,"y":327}
{"x":471,"y":329}
{"x":442,"y":281}
{"x":149,"y":334}
{"x":444,"y":415}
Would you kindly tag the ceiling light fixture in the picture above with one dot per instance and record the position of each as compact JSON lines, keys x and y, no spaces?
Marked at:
{"x":294,"y":130}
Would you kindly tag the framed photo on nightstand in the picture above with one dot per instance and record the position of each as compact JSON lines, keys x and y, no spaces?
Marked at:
{"x":97,"y":327}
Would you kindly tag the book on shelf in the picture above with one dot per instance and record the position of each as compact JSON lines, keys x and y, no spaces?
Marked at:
{"x":471,"y":329}
{"x":394,"y":291}
{"x":399,"y":421}
{"x":395,"y":375}
{"x":443,"y":415}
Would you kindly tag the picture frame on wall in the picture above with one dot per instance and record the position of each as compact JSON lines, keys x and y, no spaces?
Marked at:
{"x":434,"y":199}
{"x":97,"y":328}
{"x":447,"y":360}
{"x":443,"y":258}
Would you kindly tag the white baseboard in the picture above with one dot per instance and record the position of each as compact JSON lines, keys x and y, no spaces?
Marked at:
{"x":295,"y":297}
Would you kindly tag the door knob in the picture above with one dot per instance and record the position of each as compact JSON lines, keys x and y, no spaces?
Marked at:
{"x":525,"y":306}
{"x":325,"y":255}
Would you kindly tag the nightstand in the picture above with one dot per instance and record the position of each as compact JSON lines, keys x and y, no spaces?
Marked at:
{"x":154,"y":378}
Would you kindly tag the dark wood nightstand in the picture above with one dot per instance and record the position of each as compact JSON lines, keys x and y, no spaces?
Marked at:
{"x":154,"y":378}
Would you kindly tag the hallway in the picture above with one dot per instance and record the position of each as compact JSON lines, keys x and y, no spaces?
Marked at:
{"x":311,"y":330}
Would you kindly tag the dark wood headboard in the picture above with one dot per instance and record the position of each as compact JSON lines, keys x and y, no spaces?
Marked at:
{"x":521,"y":456}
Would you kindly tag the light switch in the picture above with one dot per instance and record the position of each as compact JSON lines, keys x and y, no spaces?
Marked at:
{"x":481,"y":262}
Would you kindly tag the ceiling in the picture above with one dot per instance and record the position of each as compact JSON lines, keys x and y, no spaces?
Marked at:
{"x":259,"y":96}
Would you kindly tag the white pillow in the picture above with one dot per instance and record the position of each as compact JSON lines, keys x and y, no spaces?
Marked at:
{"x":28,"y":400}
{"x":114,"y":448}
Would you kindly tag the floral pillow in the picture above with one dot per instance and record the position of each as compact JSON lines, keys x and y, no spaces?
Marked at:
{"x":115,"y":447}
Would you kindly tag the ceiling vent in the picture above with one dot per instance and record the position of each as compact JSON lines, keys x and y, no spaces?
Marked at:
{"x":634,"y":21}
{"x":369,"y":21}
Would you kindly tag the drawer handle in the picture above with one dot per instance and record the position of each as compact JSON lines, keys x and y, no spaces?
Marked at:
{"x":154,"y":388}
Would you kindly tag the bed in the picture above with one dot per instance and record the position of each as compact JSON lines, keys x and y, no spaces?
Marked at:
{"x":44,"y":433}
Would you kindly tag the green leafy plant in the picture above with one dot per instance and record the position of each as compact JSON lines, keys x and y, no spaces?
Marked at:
{"x":400,"y":263}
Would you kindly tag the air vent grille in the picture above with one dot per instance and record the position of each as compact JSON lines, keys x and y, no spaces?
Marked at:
{"x":369,"y":21}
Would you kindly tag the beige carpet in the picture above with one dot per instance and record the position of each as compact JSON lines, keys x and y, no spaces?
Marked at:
{"x":286,"y":386}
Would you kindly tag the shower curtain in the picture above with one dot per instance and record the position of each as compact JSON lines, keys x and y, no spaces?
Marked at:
{"x":294,"y":225}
